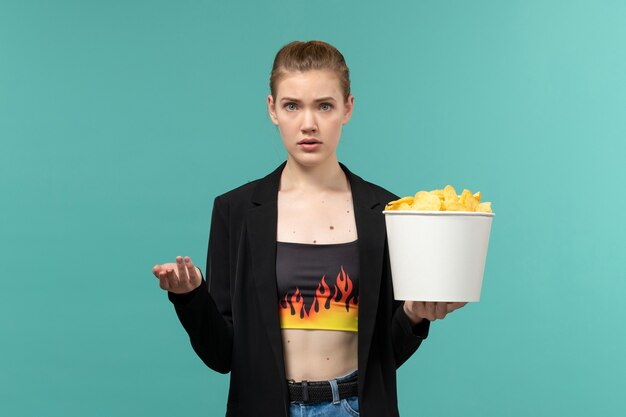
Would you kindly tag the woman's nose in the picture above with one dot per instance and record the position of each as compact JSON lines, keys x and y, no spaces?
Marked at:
{"x":308,"y":121}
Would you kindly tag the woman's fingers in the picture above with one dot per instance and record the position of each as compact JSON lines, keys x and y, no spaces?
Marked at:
{"x":418,"y":309}
{"x":441,"y":309}
{"x":427,"y":310}
{"x":157,"y":269}
{"x":431,"y":310}
{"x":172,"y":279}
{"x":163,"y":280}
{"x":454,"y":306}
{"x":192,"y":272}
{"x":159,"y":272}
{"x":183,"y":278}
{"x":179,"y":277}
{"x":424,"y":311}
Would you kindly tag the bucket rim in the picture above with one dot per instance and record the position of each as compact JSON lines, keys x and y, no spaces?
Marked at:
{"x":437,"y":213}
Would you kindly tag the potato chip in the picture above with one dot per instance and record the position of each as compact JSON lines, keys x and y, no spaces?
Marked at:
{"x":445,"y":199}
{"x":438,"y":193}
{"x":395,"y":205}
{"x":484,"y":207}
{"x":468,"y":201}
{"x":426,"y":201}
{"x":454,"y":206}
{"x":449,"y":194}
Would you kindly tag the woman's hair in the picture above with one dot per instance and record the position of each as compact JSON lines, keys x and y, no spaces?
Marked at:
{"x":306,"y":56}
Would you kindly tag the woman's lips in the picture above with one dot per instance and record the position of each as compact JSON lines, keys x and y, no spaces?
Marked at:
{"x":309,"y":145}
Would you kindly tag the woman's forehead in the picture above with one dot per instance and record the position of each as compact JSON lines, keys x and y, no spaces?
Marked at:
{"x":311,"y":84}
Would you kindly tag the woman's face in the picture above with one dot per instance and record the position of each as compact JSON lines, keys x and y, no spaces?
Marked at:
{"x":310,"y":111}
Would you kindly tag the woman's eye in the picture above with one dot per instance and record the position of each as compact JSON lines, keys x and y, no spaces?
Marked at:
{"x":325,"y":107}
{"x":290,"y":106}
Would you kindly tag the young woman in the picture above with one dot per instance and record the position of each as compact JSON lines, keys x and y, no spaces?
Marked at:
{"x":298,"y":303}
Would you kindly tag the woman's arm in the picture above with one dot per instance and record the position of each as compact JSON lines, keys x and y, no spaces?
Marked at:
{"x":406,"y":336}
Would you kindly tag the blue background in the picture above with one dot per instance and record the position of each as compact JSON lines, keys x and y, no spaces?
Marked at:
{"x":120,"y":121}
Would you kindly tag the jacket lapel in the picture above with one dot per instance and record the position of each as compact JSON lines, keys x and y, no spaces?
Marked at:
{"x":371,"y":237}
{"x":261,"y":223}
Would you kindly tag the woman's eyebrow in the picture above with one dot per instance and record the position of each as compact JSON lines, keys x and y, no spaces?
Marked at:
{"x":325,"y":99}
{"x":317,"y":99}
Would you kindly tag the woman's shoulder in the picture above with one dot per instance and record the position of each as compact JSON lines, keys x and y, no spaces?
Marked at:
{"x":259,"y":190}
{"x":381,"y":193}
{"x":243,"y":191}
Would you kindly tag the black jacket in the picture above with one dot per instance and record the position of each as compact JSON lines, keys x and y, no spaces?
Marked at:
{"x":232,"y":319}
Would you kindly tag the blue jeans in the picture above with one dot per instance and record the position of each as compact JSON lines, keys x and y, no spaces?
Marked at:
{"x":348,"y":407}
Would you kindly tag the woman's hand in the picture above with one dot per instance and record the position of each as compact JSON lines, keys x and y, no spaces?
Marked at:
{"x":429,"y":310}
{"x":180,"y":277}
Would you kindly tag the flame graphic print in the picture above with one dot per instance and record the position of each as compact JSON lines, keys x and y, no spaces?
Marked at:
{"x":331,"y":309}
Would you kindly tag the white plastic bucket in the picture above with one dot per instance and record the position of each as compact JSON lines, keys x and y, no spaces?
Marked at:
{"x":437,"y":255}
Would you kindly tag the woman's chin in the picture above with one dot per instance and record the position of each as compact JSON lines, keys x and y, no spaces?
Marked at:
{"x":311,"y":160}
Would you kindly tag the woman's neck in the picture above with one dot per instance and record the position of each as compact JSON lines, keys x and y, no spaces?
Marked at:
{"x":326,"y":177}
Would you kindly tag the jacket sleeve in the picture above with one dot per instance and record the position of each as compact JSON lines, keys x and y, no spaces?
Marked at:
{"x":205,"y":312}
{"x":406,"y":338}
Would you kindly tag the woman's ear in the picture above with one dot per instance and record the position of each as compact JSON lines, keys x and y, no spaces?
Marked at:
{"x":271,"y":109}
{"x":349,"y":107}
